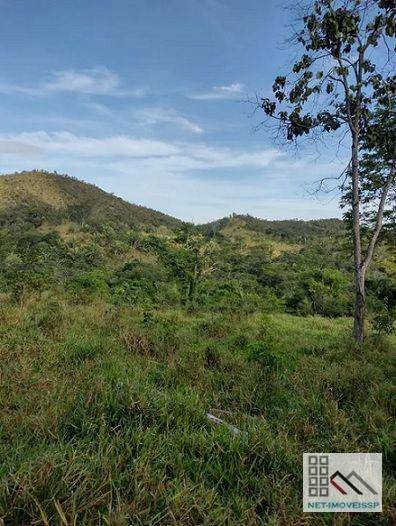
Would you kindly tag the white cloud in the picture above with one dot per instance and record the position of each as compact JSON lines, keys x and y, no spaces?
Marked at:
{"x":147,"y":153}
{"x":153,"y":116}
{"x":233,"y":91}
{"x":6,"y":88}
{"x":59,"y":143}
{"x":191,"y":180}
{"x":98,"y":81}
{"x":18,"y":148}
{"x":199,"y":198}
{"x":95,"y":81}
{"x":101,"y":109}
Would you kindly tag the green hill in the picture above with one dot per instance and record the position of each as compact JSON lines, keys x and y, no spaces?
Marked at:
{"x":42,"y":197}
{"x":58,"y":232}
{"x":295,"y":230}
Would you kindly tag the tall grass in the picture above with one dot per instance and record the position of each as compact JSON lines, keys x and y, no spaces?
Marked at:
{"x":103,"y":414}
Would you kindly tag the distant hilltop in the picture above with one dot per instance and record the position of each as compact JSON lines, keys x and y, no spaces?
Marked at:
{"x":55,"y":199}
{"x":43,"y":197}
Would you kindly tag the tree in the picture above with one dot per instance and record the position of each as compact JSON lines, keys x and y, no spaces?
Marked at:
{"x":378,"y":156}
{"x":196,"y":260}
{"x":343,"y":80}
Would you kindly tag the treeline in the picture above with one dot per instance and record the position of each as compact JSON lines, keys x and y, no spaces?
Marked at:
{"x":194,"y":269}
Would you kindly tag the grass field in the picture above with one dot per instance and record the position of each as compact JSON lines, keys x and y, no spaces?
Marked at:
{"x":104,"y":414}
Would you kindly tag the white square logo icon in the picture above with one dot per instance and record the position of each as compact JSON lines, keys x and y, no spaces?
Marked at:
{"x":342,"y":482}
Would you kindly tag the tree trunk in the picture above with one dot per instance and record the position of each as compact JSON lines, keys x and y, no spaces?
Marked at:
{"x":360,"y":297}
{"x":357,"y":244}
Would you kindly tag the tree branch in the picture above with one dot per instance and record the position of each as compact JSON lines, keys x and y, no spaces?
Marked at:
{"x":379,"y":220}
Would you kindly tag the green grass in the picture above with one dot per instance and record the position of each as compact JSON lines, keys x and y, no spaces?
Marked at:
{"x":103,"y":414}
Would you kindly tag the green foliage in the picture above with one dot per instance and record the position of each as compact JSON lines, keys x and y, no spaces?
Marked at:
{"x":142,"y":283}
{"x":86,"y":285}
{"x":238,"y":264}
{"x":384,"y":322}
{"x":336,"y":38}
{"x":321,"y":291}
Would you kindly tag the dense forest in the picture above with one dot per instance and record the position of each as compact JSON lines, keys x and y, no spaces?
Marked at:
{"x":122,"y":327}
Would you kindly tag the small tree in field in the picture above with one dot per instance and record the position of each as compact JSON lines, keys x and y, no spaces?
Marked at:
{"x":343,"y":79}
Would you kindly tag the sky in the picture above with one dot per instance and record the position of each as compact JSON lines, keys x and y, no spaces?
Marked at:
{"x":149,"y":100}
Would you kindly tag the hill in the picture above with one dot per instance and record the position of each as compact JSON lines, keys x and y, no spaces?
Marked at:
{"x":295,"y":230}
{"x":42,"y":197}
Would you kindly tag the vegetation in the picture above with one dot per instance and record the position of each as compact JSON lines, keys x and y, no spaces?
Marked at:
{"x":118,"y":334}
{"x":38,"y":196}
{"x":340,"y":83}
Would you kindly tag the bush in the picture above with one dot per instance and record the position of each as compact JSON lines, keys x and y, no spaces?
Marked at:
{"x":325,"y":292}
{"x":146,"y":284}
{"x":87,"y":285}
{"x":384,"y":322}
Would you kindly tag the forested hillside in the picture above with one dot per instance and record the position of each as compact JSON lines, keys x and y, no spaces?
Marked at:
{"x":61,"y":234}
{"x":39,"y":197}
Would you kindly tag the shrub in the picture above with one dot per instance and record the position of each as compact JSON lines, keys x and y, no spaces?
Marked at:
{"x":87,"y":285}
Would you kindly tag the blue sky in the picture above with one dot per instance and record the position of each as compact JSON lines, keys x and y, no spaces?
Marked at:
{"x":146,"y":99}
